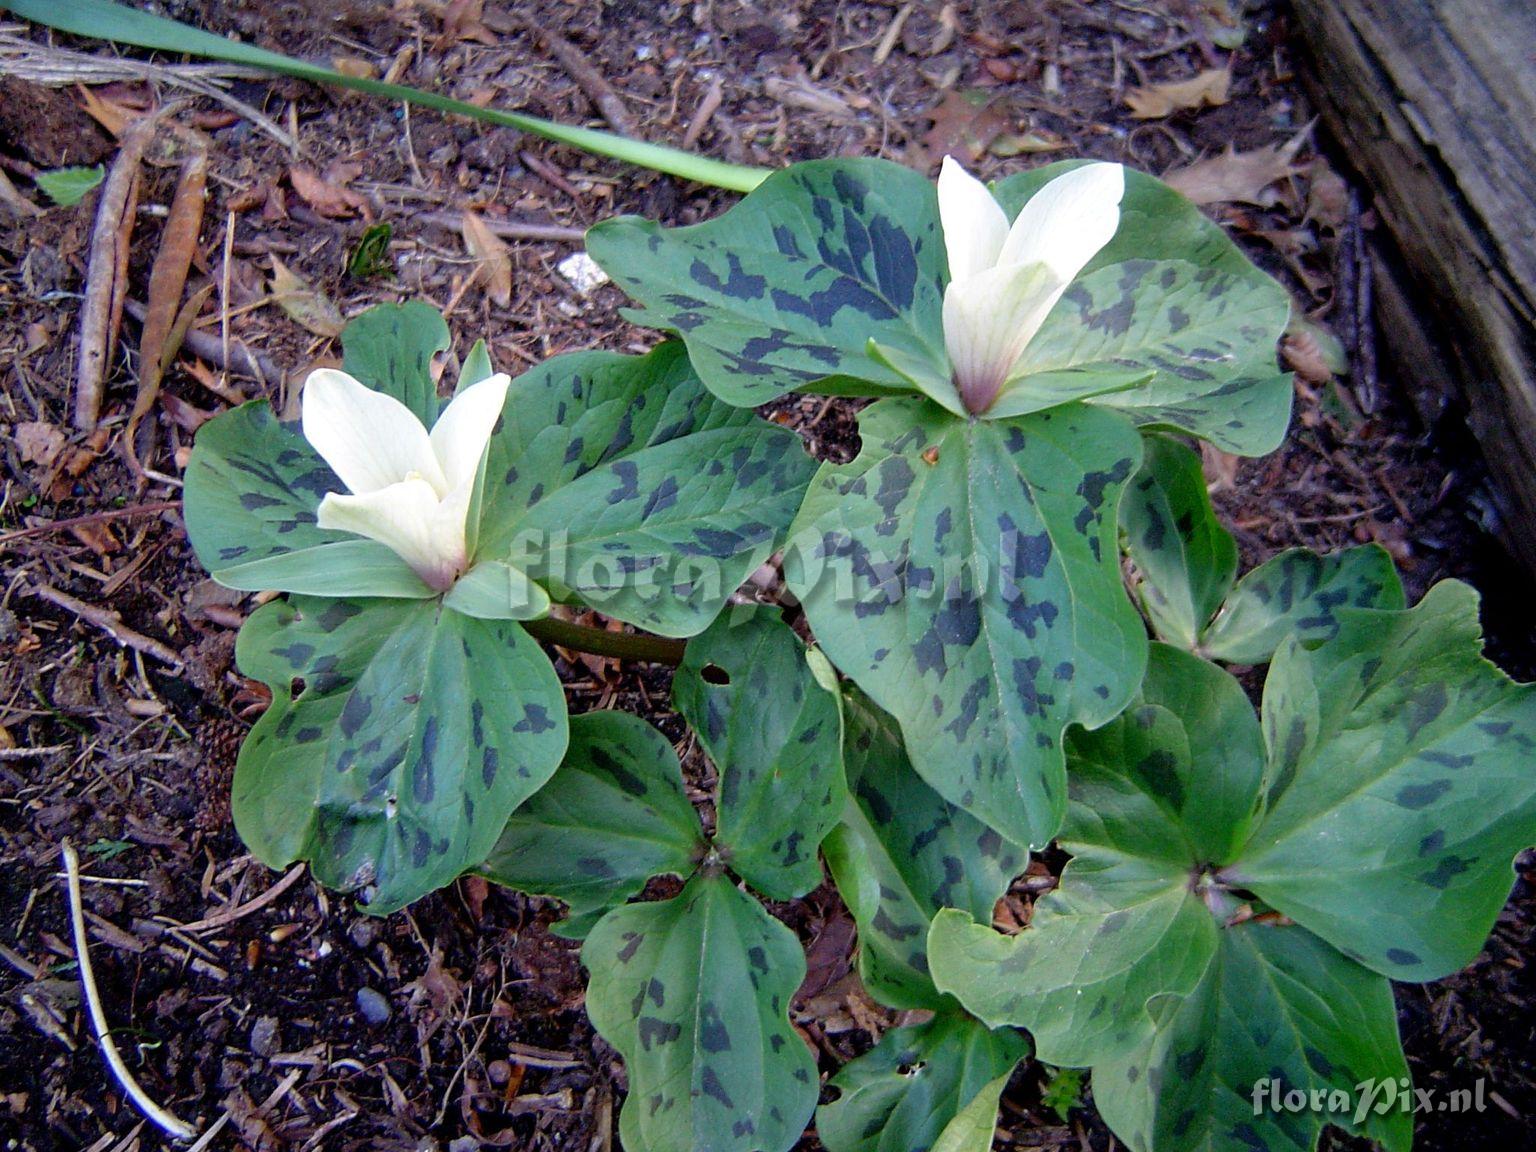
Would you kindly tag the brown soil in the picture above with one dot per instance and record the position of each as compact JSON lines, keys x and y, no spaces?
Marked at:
{"x":278,"y":1019}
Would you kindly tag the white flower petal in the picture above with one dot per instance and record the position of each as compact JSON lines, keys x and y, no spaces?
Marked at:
{"x":427,"y":533}
{"x":988,"y":320}
{"x":464,"y":429}
{"x":975,"y":225}
{"x":1066,"y":223}
{"x":369,"y":439}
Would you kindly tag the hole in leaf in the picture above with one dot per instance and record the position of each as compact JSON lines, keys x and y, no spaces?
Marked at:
{"x":296,"y":687}
{"x":714,"y":674}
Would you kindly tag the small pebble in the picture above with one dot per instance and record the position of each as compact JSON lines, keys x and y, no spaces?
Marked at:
{"x":363,"y":932}
{"x":264,"y":1036}
{"x":372,"y":1006}
{"x":463,"y":1144}
{"x":582,"y":272}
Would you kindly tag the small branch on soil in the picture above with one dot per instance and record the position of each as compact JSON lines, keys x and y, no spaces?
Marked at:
{"x":506,"y":229}
{"x":230,"y":915}
{"x":108,"y":621}
{"x":91,"y":518}
{"x":590,"y":80}
{"x":600,"y":642}
{"x":178,"y":1129}
{"x":206,"y":346}
{"x":106,"y":275}
{"x":31,"y":753}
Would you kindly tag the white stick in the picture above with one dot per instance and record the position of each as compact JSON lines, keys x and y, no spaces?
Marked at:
{"x":176,"y":1128}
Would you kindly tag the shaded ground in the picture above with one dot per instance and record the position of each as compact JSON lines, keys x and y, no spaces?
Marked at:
{"x":311,"y":1026}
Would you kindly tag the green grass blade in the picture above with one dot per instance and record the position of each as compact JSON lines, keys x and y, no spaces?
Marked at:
{"x":105,"y":20}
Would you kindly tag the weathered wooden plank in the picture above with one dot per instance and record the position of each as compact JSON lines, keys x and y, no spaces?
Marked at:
{"x":1434,"y":102}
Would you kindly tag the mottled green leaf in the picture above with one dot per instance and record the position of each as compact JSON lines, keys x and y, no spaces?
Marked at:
{"x":903,"y":852}
{"x":1146,"y":304}
{"x":1273,"y":1004}
{"x":1379,"y":816}
{"x":1185,"y":559}
{"x":1401,"y":785}
{"x":1169,"y":342}
{"x":613,"y":815}
{"x":252,"y":487}
{"x":620,"y":482}
{"x":390,"y":348}
{"x":694,"y":993}
{"x":913,"y":1090}
{"x":1300,"y":592}
{"x":400,"y":738}
{"x":766,"y":712}
{"x":830,"y":276}
{"x":830,"y":269}
{"x":966,"y":575}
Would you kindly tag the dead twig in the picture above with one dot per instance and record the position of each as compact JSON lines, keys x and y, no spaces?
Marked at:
{"x":206,"y":346}
{"x":230,"y":915}
{"x":91,"y":518}
{"x":106,"y":277}
{"x":168,"y":1123}
{"x":708,"y":106}
{"x":506,"y":229}
{"x":590,"y":80}
{"x":109,"y":622}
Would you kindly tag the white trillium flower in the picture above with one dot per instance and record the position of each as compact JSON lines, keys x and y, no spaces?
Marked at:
{"x":408,"y":488}
{"x":1004,"y":281}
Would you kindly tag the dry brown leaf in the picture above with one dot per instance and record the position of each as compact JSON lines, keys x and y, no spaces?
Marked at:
{"x":1240,"y":177}
{"x":167,"y":283}
{"x":355,"y":67}
{"x":495,"y":270}
{"x":1327,"y":196}
{"x":964,"y":126}
{"x":328,"y":198}
{"x":1208,"y":89}
{"x":113,"y":117}
{"x":39,"y":443}
{"x":313,"y":310}
{"x":463,"y":20}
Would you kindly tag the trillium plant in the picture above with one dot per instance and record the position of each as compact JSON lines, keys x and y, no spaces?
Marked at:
{"x":1003,"y":625}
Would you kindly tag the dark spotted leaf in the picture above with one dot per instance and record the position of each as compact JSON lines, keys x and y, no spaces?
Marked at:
{"x":694,"y":992}
{"x":795,"y":284}
{"x":619,"y":481}
{"x":252,"y":487}
{"x":1400,"y":787}
{"x":909,"y":1092}
{"x":1141,"y":966}
{"x":1275,"y":1005}
{"x":766,"y":712}
{"x":965,"y":574}
{"x":1185,"y":560}
{"x":400,"y":738}
{"x":831,"y":275}
{"x":903,"y":852}
{"x":1146,"y":810}
{"x":613,"y":815}
{"x":1300,"y":592}
{"x":390,"y":347}
{"x":1131,"y":332}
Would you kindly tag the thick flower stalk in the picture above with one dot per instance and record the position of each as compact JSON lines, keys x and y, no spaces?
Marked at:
{"x":1004,"y":281}
{"x":408,"y":488}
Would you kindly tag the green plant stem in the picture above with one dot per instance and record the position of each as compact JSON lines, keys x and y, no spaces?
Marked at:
{"x":105,"y":20}
{"x":601,"y":642}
